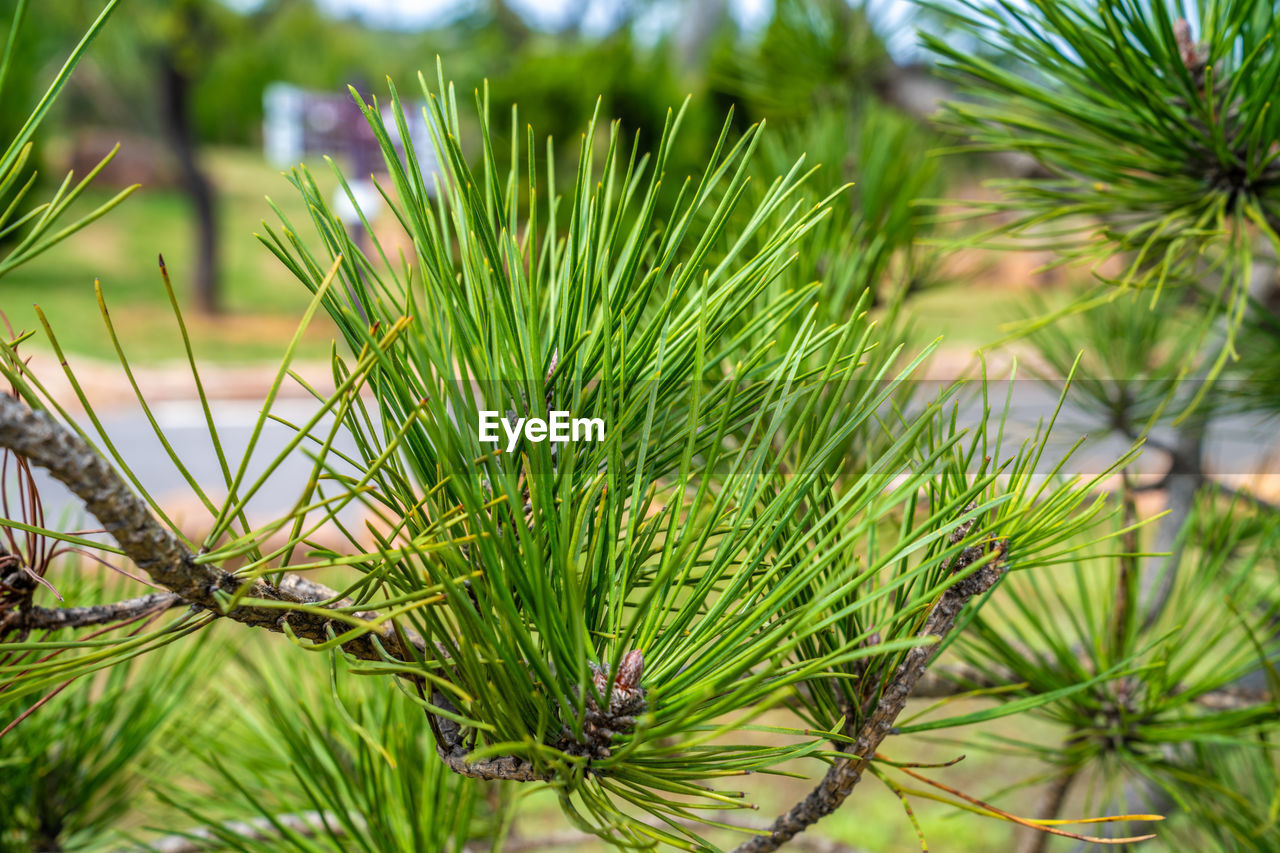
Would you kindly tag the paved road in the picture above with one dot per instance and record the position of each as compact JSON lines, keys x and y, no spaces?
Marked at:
{"x":184,"y":426}
{"x":1236,"y":446}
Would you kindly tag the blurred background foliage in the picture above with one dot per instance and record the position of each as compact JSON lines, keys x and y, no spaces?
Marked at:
{"x":180,"y":85}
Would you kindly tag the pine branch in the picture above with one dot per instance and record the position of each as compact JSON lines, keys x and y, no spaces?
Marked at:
{"x":841,"y":778}
{"x":53,"y":618}
{"x":153,"y":548}
{"x":37,"y":437}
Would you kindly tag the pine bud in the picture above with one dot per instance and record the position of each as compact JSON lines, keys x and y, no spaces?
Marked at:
{"x":627,"y":684}
{"x":627,"y":694}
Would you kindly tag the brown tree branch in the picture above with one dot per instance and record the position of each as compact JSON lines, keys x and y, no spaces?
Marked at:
{"x":48,"y":444}
{"x":153,"y":548}
{"x":845,"y":773}
{"x":53,"y":618}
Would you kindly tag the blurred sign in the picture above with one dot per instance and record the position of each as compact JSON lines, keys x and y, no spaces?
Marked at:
{"x":299,"y":123}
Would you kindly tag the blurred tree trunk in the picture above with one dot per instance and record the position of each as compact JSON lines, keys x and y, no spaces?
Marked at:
{"x":512,"y":26}
{"x":702,"y":19}
{"x":175,"y":114}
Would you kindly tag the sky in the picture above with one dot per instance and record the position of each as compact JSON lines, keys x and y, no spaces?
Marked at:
{"x":662,"y":15}
{"x":549,"y":13}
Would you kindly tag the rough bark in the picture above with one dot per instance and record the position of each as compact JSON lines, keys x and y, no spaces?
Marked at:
{"x":153,"y":548}
{"x":53,"y":618}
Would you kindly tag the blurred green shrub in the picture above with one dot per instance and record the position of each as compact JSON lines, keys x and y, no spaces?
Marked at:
{"x":83,"y":758}
{"x":324,"y":763}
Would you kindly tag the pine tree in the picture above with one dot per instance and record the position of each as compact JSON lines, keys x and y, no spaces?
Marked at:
{"x":776,"y":517}
{"x":1157,"y":147}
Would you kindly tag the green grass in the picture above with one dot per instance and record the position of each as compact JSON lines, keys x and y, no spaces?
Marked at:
{"x":262,"y":301}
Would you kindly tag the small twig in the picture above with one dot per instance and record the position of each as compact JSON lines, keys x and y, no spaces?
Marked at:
{"x":53,"y":618}
{"x":845,"y":773}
